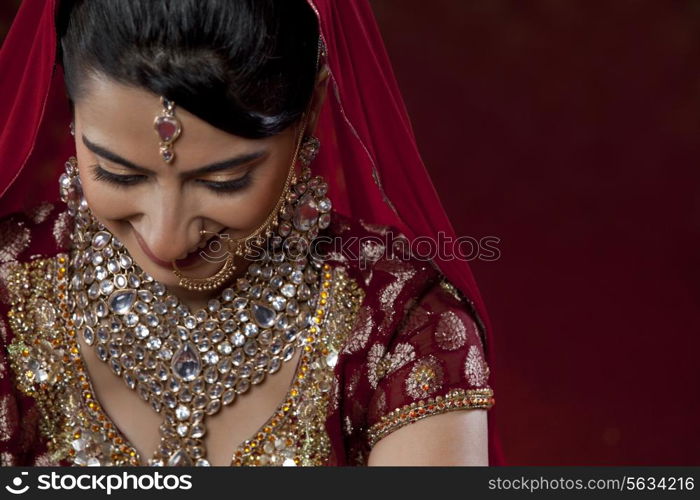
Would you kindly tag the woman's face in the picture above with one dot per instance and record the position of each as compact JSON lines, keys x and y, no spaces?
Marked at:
{"x":218,"y":182}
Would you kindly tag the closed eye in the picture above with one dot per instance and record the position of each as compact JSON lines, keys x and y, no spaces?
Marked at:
{"x":122,"y":181}
{"x":228,"y":186}
{"x":100,"y":174}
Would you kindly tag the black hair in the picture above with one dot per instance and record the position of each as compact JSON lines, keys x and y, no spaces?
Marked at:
{"x":244,"y":66}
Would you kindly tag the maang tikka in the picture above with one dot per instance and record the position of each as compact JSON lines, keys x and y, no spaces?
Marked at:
{"x":168,"y":128}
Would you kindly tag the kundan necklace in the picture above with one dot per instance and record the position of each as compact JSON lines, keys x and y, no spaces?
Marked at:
{"x":188,"y":365}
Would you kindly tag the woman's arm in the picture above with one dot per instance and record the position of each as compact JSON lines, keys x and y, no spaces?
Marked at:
{"x":453,"y":438}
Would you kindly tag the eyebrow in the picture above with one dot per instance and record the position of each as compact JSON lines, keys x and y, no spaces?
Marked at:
{"x":207,"y":169}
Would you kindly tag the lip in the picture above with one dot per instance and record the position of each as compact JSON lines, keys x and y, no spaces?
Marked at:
{"x":148,"y":252}
{"x":191,"y":259}
{"x":186,"y":262}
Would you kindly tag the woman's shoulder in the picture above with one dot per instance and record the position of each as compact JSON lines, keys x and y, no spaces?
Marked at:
{"x":416,"y":347}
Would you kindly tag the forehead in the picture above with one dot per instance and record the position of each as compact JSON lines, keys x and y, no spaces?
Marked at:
{"x":121,"y":118}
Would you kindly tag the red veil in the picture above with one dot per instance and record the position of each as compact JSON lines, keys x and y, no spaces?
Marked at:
{"x":368,"y":155}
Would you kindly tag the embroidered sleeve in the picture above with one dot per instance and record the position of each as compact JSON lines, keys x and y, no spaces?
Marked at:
{"x":434,"y":364}
{"x":21,"y":442}
{"x":19,"y":420}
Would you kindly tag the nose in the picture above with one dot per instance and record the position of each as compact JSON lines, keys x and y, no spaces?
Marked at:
{"x":168,"y":231}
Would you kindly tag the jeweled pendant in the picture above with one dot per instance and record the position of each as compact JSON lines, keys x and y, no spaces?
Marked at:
{"x":264,"y":316}
{"x":121,"y":301}
{"x":166,"y":152}
{"x":168,"y":128}
{"x":186,"y":362}
{"x":100,"y":240}
{"x":180,"y":459}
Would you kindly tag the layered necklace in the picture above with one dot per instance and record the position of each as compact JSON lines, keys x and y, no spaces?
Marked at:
{"x":188,"y":365}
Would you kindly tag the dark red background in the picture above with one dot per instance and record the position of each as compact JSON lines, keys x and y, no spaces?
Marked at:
{"x":570,"y":129}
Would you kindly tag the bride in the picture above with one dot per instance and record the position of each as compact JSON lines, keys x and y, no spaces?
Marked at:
{"x":222,"y":272}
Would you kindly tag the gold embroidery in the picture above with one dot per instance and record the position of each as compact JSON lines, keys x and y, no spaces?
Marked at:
{"x":46,"y":358}
{"x":398,"y":268}
{"x":371,"y":251}
{"x":374,"y":228}
{"x":458,"y":399}
{"x":375,"y":370}
{"x":5,"y":271}
{"x":39,"y":213}
{"x":14,"y":239}
{"x":475,"y":368}
{"x":388,"y":295}
{"x":334,"y":397}
{"x":402,"y":273}
{"x":358,"y":336}
{"x":5,"y":418}
{"x":7,"y":459}
{"x":451,"y":332}
{"x":342,"y":301}
{"x":400,"y":355}
{"x":62,"y":229}
{"x":351,"y":384}
{"x":452,"y":290}
{"x":45,"y":460}
{"x":426,"y":378}
{"x":338,"y":257}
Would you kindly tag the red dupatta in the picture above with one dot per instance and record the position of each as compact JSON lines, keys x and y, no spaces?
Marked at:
{"x":368,"y":155}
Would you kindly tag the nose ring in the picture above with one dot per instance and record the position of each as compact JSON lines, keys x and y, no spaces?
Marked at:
{"x":203,"y":232}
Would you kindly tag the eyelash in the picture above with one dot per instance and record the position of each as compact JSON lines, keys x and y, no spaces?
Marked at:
{"x":101,"y":174}
{"x":123,"y":181}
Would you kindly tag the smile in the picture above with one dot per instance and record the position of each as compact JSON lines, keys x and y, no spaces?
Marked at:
{"x":189,"y":260}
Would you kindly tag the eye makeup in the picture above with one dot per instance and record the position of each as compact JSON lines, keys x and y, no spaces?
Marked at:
{"x":100,"y":174}
{"x":124,"y":181}
{"x":228,"y":186}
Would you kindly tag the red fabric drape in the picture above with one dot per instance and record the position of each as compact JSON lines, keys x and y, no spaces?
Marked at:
{"x":369,"y":153}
